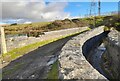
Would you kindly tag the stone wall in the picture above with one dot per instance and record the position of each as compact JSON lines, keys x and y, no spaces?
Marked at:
{"x":112,"y":55}
{"x":73,"y":64}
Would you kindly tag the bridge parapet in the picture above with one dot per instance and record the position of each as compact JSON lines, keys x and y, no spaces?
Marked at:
{"x":73,"y":64}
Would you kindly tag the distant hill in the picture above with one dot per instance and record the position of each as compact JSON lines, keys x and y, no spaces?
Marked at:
{"x":44,"y":26}
{"x":40,"y":27}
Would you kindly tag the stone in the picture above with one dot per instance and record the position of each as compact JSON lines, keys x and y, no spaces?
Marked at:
{"x":73,"y":50}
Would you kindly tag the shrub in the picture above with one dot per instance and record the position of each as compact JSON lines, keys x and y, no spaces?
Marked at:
{"x":106,"y":28}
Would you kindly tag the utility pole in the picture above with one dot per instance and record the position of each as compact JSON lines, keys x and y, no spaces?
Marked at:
{"x":99,"y":7}
{"x":119,"y":9}
{"x":92,"y":7}
{"x":92,"y":12}
{"x":3,"y":42}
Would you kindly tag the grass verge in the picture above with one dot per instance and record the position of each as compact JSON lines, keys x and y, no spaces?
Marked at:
{"x":53,"y":73}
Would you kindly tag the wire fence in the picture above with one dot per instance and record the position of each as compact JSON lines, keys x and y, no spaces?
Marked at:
{"x":104,"y":13}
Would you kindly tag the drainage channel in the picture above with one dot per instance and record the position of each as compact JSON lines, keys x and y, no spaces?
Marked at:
{"x":95,"y":59}
{"x":93,"y":49}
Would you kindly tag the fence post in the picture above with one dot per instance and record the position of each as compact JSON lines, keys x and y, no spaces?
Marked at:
{"x":3,"y":42}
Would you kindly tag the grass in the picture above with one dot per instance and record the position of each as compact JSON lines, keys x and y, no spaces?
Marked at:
{"x":22,"y":28}
{"x":18,"y":52}
{"x":23,"y":50}
{"x":44,"y":26}
{"x":53,"y":73}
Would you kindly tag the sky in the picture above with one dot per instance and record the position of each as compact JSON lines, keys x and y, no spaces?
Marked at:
{"x":23,"y":11}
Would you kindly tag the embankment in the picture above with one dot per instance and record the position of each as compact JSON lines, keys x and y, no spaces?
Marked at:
{"x":111,"y":57}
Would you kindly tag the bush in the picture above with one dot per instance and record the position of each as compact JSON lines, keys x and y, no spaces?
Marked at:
{"x":117,"y":26}
{"x":34,"y":34}
{"x":106,"y":28}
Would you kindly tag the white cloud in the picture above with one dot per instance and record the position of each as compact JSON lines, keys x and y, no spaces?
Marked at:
{"x":33,"y":11}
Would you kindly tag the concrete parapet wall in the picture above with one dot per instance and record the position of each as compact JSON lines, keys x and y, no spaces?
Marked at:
{"x":73,"y":64}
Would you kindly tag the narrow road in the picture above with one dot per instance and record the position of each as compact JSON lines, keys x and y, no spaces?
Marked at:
{"x":34,"y":64}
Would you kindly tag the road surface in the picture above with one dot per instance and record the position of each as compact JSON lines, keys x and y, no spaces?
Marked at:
{"x":34,"y":64}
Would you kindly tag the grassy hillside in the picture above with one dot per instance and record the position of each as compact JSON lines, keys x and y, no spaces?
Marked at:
{"x":24,"y":28}
{"x":35,"y":29}
{"x":108,"y":21}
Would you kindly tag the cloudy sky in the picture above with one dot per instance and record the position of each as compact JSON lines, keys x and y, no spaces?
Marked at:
{"x":22,"y":11}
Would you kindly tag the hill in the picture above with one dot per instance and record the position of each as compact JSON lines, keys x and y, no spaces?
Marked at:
{"x":35,"y":29}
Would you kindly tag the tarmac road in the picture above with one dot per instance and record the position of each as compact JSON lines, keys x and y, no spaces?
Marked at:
{"x":34,"y":64}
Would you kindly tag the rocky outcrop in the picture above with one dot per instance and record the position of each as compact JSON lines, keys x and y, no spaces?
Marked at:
{"x":111,"y":57}
{"x":73,"y":64}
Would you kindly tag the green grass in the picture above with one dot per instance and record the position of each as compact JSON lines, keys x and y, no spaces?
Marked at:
{"x":106,"y":28}
{"x":53,"y":73}
{"x":23,"y":50}
{"x":18,"y":52}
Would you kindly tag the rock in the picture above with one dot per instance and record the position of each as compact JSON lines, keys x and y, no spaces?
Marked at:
{"x":52,"y":60}
{"x":33,"y":76}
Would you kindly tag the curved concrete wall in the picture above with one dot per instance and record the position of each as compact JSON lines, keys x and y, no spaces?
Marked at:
{"x":73,"y":64}
{"x":93,"y":43}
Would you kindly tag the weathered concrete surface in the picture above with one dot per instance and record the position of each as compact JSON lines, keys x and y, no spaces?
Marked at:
{"x":112,"y":55}
{"x":93,"y":50}
{"x":73,"y":64}
{"x":93,"y":43}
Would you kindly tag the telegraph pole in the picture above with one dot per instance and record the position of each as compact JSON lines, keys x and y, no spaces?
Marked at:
{"x":92,"y":11}
{"x":3,"y":42}
{"x":99,"y":7}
